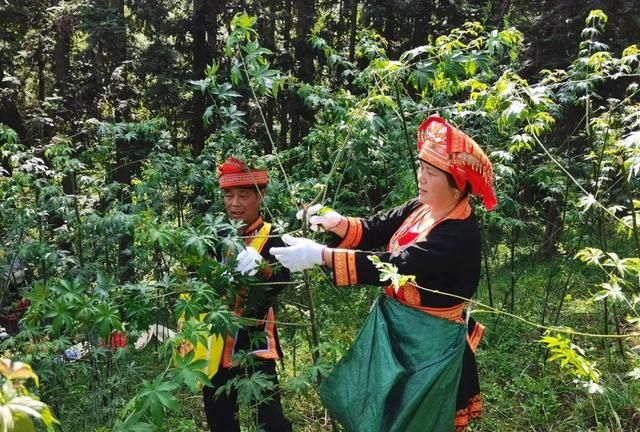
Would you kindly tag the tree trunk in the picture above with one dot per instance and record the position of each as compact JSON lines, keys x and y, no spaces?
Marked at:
{"x":340,"y":26}
{"x":61,"y":66}
{"x":390,"y":27}
{"x":9,"y":110}
{"x":62,"y":49}
{"x":212,"y":12}
{"x":422,"y":24}
{"x":9,"y":116}
{"x":353,"y":22}
{"x":42,"y":89}
{"x":204,"y":29}
{"x":123,"y":171}
{"x":553,"y":227}
{"x":198,"y":31}
{"x":118,"y":53}
{"x":301,"y":116}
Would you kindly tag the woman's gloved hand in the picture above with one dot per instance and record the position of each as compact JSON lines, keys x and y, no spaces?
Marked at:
{"x":299,"y":254}
{"x":320,"y":217}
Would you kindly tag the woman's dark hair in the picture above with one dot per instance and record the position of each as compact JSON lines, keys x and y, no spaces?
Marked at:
{"x":452,"y":183}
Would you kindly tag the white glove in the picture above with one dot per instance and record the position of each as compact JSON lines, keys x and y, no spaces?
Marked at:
{"x":301,"y":253}
{"x":328,"y":218}
{"x":248,"y":261}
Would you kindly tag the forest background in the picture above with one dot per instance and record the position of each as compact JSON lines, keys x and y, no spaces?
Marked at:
{"x":115,"y":113}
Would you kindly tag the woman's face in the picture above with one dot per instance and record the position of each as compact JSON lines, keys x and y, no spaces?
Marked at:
{"x":242,"y":204}
{"x":433,"y":186}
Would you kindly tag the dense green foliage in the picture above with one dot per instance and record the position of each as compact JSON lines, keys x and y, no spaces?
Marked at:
{"x":113,"y":116}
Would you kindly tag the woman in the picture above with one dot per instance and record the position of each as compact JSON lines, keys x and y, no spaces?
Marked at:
{"x":434,"y":237}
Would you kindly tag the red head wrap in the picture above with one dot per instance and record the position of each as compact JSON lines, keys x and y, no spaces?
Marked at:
{"x":235,"y":173}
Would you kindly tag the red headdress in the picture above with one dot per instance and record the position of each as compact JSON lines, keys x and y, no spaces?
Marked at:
{"x":451,"y":150}
{"x":235,"y":173}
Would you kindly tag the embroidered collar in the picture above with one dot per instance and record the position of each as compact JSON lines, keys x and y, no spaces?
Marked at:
{"x":461,"y":211}
{"x":253,"y":226}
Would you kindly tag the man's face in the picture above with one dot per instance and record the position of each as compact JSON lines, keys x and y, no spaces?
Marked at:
{"x":242,"y":204}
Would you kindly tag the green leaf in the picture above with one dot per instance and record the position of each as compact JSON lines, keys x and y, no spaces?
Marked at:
{"x":236,"y":74}
{"x":225,"y":92}
{"x":207,"y":115}
{"x":596,"y":16}
{"x":107,"y":319}
{"x":200,"y":85}
{"x":157,"y":397}
{"x":245,"y":20}
{"x":514,"y":112}
{"x":190,"y":372}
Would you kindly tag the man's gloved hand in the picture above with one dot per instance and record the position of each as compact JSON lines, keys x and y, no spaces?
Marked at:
{"x":300,"y":254}
{"x":248,"y":261}
{"x":320,"y":217}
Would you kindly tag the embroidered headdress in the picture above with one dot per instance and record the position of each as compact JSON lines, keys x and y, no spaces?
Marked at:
{"x":451,"y":150}
{"x":235,"y":173}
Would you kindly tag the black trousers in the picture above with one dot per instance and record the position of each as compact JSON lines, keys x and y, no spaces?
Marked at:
{"x":222,"y":411}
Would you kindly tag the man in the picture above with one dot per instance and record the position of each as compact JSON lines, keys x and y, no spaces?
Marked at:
{"x":243,"y":192}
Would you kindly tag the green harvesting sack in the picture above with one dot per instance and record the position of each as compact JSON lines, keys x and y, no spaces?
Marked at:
{"x":400,"y":375}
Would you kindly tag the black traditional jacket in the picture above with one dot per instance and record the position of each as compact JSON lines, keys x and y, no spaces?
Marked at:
{"x":260,"y":302}
{"x":443,"y":256}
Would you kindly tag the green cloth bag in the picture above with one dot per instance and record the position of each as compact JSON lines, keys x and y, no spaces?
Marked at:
{"x":400,"y":375}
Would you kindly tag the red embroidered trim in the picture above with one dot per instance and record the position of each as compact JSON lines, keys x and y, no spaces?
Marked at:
{"x":353,"y":235}
{"x":476,"y":337}
{"x":340,"y":267}
{"x":245,"y":179}
{"x":471,"y":412}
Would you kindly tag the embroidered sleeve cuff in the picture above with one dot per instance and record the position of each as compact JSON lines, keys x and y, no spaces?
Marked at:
{"x":344,"y":267}
{"x":354,"y":233}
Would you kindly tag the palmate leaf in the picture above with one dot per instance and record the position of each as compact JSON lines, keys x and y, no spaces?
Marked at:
{"x":571,"y":358}
{"x":61,"y":314}
{"x":17,"y":411}
{"x":254,"y":53}
{"x":610,"y":290}
{"x":188,"y":308}
{"x":105,"y":282}
{"x":107,"y":319}
{"x":161,"y":235}
{"x":201,"y":85}
{"x":266,"y":78}
{"x":197,"y":242}
{"x":134,"y":423}
{"x":232,"y":113}
{"x":222,"y":321}
{"x":157,"y":396}
{"x":255,"y":387}
{"x":415,"y":52}
{"x":224,"y":92}
{"x":194,"y":331}
{"x":69,"y":290}
{"x":17,"y":371}
{"x":616,"y":262}
{"x":421,"y":76}
{"x":7,"y":135}
{"x":245,"y":20}
{"x":85,"y":309}
{"x":189,"y":372}
{"x":514,"y":112}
